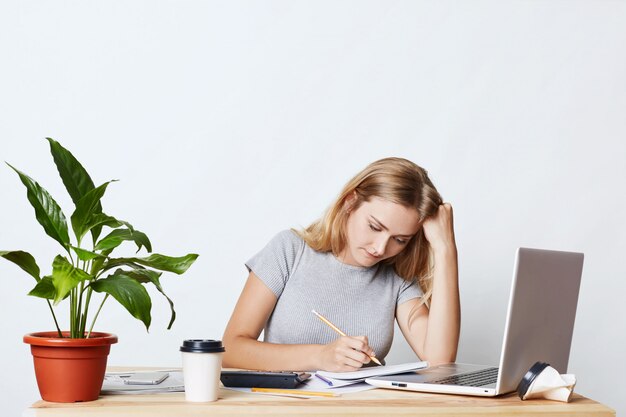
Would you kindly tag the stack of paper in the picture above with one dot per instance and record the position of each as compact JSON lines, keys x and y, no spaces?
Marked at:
{"x":340,"y":379}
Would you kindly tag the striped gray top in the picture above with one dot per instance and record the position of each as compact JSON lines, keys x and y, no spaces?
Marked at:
{"x":360,"y":301}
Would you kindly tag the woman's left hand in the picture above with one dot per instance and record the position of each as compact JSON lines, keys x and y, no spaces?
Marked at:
{"x":439,"y":229}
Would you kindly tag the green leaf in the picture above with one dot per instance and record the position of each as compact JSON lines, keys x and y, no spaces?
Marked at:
{"x":96,"y":266}
{"x":47,"y":211}
{"x":128,"y":225}
{"x":75,"y":178}
{"x":116,"y":237}
{"x":24,"y":260}
{"x":147,"y":275}
{"x":101,"y":219}
{"x":85,"y":255}
{"x":65,"y":277}
{"x":44,"y":289}
{"x":164,"y":263}
{"x":141,"y":275}
{"x":129,"y":293}
{"x":86,"y":208}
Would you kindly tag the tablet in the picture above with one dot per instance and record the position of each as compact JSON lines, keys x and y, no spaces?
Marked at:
{"x":259,"y":379}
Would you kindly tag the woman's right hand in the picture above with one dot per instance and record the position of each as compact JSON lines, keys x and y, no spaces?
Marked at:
{"x":348,"y":353}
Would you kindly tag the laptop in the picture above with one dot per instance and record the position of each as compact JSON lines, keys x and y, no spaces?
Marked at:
{"x":539,"y":327}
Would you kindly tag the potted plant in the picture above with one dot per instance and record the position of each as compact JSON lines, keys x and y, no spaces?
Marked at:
{"x":70,"y":364}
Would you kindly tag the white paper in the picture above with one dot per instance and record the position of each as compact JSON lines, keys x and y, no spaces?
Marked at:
{"x":361,"y":374}
{"x":552,"y":386}
{"x":338,"y":387}
{"x":312,"y":385}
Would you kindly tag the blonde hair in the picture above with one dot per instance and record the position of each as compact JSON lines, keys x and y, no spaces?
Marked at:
{"x":396,"y":180}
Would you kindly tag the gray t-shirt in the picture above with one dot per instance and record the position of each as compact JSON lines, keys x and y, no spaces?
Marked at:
{"x":360,"y":301}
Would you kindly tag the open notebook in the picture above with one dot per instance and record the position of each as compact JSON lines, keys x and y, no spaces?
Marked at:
{"x":357,"y":376}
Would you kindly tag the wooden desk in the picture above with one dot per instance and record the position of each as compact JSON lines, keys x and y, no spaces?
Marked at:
{"x":376,"y":402}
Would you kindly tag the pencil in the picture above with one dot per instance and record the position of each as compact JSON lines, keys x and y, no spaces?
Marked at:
{"x":328,"y":381}
{"x":295,"y":392}
{"x":335,"y":328}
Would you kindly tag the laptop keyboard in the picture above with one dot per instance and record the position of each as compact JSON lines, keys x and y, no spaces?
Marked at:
{"x":471,"y":379}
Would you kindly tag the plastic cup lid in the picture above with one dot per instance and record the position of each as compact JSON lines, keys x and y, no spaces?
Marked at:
{"x":202,"y":346}
{"x":529,"y":377}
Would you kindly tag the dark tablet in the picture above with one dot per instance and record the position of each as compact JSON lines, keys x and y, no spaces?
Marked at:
{"x":250,"y":379}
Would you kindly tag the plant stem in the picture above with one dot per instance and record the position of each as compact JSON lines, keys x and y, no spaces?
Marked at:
{"x":69,"y":252}
{"x":78,"y":310}
{"x":73,"y":332}
{"x":86,"y":310}
{"x":56,"y":323}
{"x":96,"y":316}
{"x":72,"y":315}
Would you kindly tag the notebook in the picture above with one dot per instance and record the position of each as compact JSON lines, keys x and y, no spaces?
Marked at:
{"x":539,"y":327}
{"x":371,"y":371}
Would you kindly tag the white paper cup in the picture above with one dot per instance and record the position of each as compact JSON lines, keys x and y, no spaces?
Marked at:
{"x":202,"y":366}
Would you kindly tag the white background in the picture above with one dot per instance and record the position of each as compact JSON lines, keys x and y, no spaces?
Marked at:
{"x":227,"y":122}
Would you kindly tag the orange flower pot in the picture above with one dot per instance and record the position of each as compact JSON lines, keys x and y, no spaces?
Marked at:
{"x":69,"y":370}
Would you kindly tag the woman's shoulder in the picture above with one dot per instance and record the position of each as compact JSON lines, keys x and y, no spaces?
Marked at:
{"x":286,"y":241}
{"x":288,"y":237}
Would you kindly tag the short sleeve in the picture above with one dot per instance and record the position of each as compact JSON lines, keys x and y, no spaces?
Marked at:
{"x":275,"y":263}
{"x":408,"y":291}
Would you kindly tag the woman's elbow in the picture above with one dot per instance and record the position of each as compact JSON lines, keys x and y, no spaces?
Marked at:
{"x":234,"y":349}
{"x":229,"y":340}
{"x":439,"y":361}
{"x":439,"y":358}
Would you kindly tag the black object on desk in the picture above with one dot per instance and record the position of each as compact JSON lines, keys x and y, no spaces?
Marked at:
{"x":258,"y":379}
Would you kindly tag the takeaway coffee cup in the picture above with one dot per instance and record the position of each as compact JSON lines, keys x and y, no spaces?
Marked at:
{"x":202,"y":365}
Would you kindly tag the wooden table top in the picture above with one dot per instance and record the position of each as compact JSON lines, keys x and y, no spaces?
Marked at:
{"x":377,"y":402}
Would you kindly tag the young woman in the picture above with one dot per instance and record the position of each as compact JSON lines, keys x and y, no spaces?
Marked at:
{"x":384,"y":251}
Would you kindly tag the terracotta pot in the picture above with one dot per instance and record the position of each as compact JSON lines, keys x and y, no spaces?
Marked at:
{"x":69,"y":370}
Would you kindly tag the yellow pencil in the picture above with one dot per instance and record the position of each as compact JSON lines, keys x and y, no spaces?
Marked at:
{"x":335,"y":328}
{"x":295,"y":392}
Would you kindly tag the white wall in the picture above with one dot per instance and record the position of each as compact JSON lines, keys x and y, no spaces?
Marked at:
{"x":229,"y":121}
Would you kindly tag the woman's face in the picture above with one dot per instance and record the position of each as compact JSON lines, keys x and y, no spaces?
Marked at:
{"x":378,"y":230}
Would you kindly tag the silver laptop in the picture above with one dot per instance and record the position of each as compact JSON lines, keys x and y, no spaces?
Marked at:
{"x":539,"y":327}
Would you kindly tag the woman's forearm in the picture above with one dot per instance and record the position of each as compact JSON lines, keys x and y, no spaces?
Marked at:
{"x":444,"y":319}
{"x":246,"y":353}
